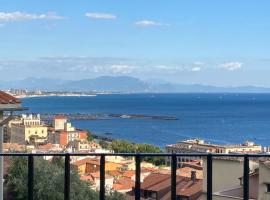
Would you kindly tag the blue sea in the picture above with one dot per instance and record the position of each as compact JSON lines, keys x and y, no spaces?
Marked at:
{"x":218,"y":118}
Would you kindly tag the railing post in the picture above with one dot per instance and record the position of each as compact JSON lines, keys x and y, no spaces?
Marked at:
{"x":209,"y":177}
{"x":246,"y":178}
{"x":30,"y":177}
{"x":102,"y":178}
{"x":138,"y":177}
{"x":67,"y":177}
{"x":173,"y":176}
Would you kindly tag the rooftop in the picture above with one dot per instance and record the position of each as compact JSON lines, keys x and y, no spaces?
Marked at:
{"x":8,"y":99}
{"x":184,"y":186}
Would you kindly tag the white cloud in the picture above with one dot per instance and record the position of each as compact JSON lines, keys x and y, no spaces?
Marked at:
{"x":198,"y":63}
{"x":149,"y":23}
{"x":232,"y":66}
{"x":196,"y":69}
{"x":22,"y":16}
{"x":121,"y":69}
{"x":100,"y":15}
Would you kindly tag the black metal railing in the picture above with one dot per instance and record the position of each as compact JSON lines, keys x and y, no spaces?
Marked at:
{"x":138,"y":158}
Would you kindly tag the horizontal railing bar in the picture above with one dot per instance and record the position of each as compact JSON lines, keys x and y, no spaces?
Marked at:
{"x":134,"y":154}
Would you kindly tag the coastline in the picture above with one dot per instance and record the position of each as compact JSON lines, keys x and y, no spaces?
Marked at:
{"x":55,"y":95}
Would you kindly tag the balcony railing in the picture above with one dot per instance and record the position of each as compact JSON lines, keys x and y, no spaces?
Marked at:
{"x":138,"y":157}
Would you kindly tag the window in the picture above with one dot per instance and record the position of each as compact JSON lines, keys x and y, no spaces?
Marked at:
{"x":268,"y":187}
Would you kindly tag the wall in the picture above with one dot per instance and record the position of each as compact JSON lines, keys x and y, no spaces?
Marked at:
{"x":264,"y":177}
{"x":226,"y":173}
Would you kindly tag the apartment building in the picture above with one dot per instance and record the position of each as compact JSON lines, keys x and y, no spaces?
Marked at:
{"x":200,"y":146}
{"x":62,"y":132}
{"x":27,"y":129}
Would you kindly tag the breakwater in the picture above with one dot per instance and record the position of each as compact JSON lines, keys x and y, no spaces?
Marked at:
{"x":91,"y":116}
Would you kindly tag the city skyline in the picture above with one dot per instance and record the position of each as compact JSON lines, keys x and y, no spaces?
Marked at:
{"x":221,"y":44}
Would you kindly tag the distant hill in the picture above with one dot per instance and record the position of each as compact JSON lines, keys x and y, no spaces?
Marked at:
{"x":124,"y":84}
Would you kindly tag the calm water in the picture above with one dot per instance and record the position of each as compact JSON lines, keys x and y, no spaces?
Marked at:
{"x":220,"y":118}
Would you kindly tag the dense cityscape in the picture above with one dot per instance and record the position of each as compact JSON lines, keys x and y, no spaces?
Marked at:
{"x":28,"y":133}
{"x":134,"y":100}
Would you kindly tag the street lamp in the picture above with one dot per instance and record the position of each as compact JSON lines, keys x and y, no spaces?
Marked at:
{"x":8,"y":104}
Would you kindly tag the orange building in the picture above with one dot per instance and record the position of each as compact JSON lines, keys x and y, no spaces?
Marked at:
{"x":68,"y":136}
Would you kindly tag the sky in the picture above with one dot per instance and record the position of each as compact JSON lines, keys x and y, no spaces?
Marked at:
{"x":221,"y":43}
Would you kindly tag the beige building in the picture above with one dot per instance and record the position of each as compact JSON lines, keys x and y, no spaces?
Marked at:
{"x":227,"y":179}
{"x":30,"y":129}
{"x":200,"y":146}
{"x":264,"y":180}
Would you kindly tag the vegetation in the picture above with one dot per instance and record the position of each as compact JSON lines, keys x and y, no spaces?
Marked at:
{"x":90,"y":136}
{"x":48,"y":181}
{"x":123,"y":146}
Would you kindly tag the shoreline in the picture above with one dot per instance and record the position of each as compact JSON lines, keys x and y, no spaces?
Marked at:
{"x":54,"y":95}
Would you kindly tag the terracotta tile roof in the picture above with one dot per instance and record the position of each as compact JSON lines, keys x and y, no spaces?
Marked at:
{"x":86,"y":178}
{"x":185,"y":186}
{"x":129,"y":173}
{"x":97,"y":175}
{"x":191,"y":190}
{"x":123,"y":184}
{"x":47,"y":147}
{"x":194,"y":164}
{"x":8,"y":99}
{"x":186,"y":172}
{"x":86,"y":160}
{"x":115,"y":173}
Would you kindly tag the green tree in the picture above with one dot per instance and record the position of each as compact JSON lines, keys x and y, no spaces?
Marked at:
{"x":123,"y":146}
{"x":48,"y":181}
{"x":90,"y":136}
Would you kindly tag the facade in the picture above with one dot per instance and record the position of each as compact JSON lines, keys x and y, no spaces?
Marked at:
{"x":80,"y":165}
{"x":200,"y":146}
{"x":227,"y":173}
{"x":63,"y":132}
{"x":30,"y":129}
{"x":59,"y":122}
{"x":264,"y":181}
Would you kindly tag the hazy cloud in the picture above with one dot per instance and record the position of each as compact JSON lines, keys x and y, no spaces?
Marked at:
{"x":196,"y":69}
{"x":122,"y":69}
{"x":100,"y":15}
{"x":23,"y":16}
{"x":232,"y":66}
{"x":149,"y":23}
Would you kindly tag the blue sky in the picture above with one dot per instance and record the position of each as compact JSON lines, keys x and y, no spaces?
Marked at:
{"x":186,"y":41}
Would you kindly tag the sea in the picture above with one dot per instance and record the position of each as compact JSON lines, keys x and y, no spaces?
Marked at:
{"x":217,"y":118}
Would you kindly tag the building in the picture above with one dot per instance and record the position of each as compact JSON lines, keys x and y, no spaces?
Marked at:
{"x":200,"y":146}
{"x":29,"y":129}
{"x":80,"y":165}
{"x":264,"y":180}
{"x":227,"y":173}
{"x":123,"y":185}
{"x":59,"y":122}
{"x":63,"y":132}
{"x":158,"y":187}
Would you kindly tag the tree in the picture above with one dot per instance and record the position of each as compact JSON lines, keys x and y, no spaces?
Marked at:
{"x":48,"y":181}
{"x":90,"y":136}
{"x":123,"y":146}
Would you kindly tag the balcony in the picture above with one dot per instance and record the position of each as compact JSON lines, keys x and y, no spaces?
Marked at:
{"x":138,"y":157}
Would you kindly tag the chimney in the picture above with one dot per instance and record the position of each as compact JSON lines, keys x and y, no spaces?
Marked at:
{"x":193,"y":176}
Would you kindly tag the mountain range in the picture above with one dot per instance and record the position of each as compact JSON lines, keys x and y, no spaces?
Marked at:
{"x":122,"y":84}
